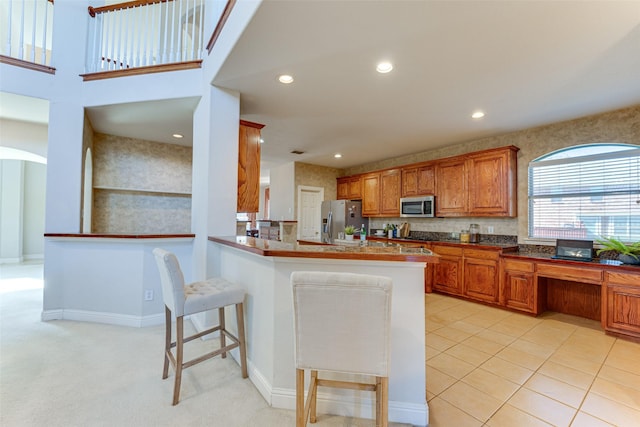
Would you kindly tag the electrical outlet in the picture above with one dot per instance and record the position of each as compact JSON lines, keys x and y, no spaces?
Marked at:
{"x":148,"y":295}
{"x":490,"y":229}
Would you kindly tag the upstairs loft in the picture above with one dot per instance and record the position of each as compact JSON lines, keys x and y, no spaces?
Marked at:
{"x":130,"y":38}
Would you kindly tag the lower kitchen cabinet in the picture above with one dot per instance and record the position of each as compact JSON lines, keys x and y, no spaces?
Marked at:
{"x":518,"y":290}
{"x":448,"y":273}
{"x":481,"y":275}
{"x":621,"y":303}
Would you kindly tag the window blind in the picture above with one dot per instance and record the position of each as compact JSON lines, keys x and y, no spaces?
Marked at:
{"x":586,"y":197}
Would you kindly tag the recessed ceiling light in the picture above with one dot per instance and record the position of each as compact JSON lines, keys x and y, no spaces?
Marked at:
{"x":178,"y":136}
{"x":286,"y":79}
{"x":337,"y":155}
{"x":384,"y":67}
{"x":477,"y":115}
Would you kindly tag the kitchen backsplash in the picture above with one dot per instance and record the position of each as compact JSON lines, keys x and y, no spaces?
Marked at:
{"x":501,"y":226}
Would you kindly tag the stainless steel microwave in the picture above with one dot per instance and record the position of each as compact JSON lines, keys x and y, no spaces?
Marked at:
{"x":423,"y":206}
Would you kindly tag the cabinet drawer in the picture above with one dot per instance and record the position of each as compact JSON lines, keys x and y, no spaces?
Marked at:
{"x":482,"y":254}
{"x":623,"y":278}
{"x":524,"y":266}
{"x":447,"y":250}
{"x":569,"y":273}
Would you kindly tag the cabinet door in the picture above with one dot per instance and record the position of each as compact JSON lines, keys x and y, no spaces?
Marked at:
{"x":518,"y":291}
{"x":492,"y":184}
{"x":390,"y":192}
{"x":481,"y":279}
{"x":409,"y":182}
{"x":355,"y":188}
{"x":343,"y":188}
{"x":447,"y":275}
{"x":621,"y":303}
{"x":451,"y":188}
{"x":371,"y":194}
{"x":426,"y":180}
{"x":249,"y":167}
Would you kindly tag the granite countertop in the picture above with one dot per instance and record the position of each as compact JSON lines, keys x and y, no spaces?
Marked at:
{"x":371,"y":251}
{"x":451,"y":242}
{"x":596,"y":262}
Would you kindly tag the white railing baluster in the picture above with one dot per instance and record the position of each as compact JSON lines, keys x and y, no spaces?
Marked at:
{"x":8,"y":48}
{"x":44,"y":34}
{"x":201,"y":31}
{"x":21,"y":47}
{"x":33,"y":33}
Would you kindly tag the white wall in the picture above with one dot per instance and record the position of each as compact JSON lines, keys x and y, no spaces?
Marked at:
{"x":35,"y":181}
{"x":282,"y":192}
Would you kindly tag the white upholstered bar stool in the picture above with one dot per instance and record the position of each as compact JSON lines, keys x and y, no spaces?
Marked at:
{"x":184,"y":299}
{"x":342,"y":324}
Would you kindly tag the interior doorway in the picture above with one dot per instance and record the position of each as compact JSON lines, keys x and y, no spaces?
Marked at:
{"x":309,"y":218}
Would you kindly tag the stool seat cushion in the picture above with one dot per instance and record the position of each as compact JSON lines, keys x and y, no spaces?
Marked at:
{"x":209,"y":294}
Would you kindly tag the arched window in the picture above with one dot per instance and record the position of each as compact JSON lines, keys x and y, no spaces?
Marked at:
{"x":585,"y":192}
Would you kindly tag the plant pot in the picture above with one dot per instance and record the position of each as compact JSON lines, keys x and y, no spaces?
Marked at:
{"x":349,"y":237}
{"x":628,"y":259}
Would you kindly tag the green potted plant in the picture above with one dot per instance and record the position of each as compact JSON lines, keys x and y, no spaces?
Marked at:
{"x":348,"y":231}
{"x":628,"y":253}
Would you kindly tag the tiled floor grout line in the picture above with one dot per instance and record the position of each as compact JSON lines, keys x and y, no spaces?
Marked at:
{"x":556,"y":348}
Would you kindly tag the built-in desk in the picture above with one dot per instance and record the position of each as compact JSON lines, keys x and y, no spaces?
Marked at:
{"x":611,"y":294}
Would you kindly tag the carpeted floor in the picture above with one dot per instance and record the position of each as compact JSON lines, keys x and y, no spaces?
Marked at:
{"x":64,"y":373}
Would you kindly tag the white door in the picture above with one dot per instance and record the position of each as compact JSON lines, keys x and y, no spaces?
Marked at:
{"x":309,"y":219}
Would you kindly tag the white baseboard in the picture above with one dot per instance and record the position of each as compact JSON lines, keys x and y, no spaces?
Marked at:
{"x":34,"y":257}
{"x":11,"y":260}
{"x":101,"y":317}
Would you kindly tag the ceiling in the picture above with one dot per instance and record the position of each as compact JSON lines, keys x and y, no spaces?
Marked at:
{"x":524,"y":63}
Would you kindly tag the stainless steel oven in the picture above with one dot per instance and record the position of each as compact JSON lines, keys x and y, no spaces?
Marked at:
{"x":423,"y":206}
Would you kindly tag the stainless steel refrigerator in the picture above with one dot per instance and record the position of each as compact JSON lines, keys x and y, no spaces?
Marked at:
{"x":337,"y":214}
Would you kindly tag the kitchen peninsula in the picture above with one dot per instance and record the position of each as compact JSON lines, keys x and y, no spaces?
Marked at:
{"x":263,"y":267}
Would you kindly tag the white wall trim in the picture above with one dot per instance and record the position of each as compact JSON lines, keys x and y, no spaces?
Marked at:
{"x":10,"y":260}
{"x":106,"y":318}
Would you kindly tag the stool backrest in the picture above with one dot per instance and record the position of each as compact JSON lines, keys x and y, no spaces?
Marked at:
{"x":342,"y":322}
{"x":172,"y":280}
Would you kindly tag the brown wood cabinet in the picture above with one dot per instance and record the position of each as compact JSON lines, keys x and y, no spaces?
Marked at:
{"x":418,"y":180}
{"x":478,"y":184}
{"x":390,"y":192}
{"x":381,"y":193}
{"x":249,"y":167}
{"x":350,"y":188}
{"x":452,"y":193}
{"x":481,"y":274}
{"x":492,"y":177}
{"x":448,"y":273}
{"x":621,"y":303}
{"x":517,"y":288}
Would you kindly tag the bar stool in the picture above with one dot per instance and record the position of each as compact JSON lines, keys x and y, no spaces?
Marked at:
{"x":342,"y":324}
{"x":184,"y":299}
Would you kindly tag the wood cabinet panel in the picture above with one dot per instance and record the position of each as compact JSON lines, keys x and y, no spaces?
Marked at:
{"x":349,"y":188}
{"x":492,"y":183}
{"x":481,"y":278}
{"x":418,"y":180}
{"x":451,"y":188}
{"x":571,"y":297}
{"x":249,"y":167}
{"x":371,"y":194}
{"x":448,"y":274}
{"x":390,"y":192}
{"x":566,"y":272}
{"x":518,"y":291}
{"x":621,"y":303}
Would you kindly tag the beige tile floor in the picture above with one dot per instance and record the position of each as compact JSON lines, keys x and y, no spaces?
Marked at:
{"x":490,"y":367}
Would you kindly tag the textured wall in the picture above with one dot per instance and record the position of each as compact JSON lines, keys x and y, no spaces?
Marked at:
{"x":617,"y":126}
{"x":135,"y":185}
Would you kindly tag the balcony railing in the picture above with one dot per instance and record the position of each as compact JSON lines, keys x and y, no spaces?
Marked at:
{"x":26,"y":28}
{"x":145,"y":33}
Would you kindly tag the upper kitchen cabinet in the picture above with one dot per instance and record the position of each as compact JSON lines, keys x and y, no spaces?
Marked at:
{"x":478,"y":184}
{"x":350,"y":188}
{"x":452,"y":191}
{"x":492,"y":183}
{"x":381,"y":193}
{"x":371,"y":194}
{"x":418,"y":180}
{"x":249,"y":167}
